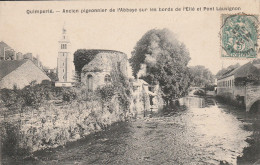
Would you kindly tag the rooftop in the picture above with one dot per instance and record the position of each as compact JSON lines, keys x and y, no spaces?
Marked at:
{"x":96,"y":51}
{"x":9,"y":66}
{"x":242,"y":71}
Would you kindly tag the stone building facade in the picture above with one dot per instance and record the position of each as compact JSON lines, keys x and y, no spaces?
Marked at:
{"x":20,"y":73}
{"x":237,"y":85}
{"x":98,"y":71}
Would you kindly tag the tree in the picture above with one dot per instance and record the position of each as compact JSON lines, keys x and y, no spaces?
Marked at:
{"x":201,"y":76}
{"x":53,"y":76}
{"x":166,"y":62}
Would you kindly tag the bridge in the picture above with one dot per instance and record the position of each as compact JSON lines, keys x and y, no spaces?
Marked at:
{"x":252,"y":96}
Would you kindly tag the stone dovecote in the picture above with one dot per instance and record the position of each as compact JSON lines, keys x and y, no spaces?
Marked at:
{"x":97,"y":72}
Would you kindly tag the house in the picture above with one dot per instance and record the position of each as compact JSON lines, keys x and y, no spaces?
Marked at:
{"x":20,"y":73}
{"x":146,"y":97}
{"x":98,"y":71}
{"x":6,"y":52}
{"x":241,"y":84}
{"x":19,"y":56}
{"x":28,"y":56}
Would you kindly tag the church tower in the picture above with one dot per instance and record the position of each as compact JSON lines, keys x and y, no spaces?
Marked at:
{"x":64,"y":62}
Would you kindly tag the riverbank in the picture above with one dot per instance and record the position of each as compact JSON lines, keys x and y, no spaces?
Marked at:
{"x":52,"y":125}
{"x":209,"y":135}
{"x":251,"y":153}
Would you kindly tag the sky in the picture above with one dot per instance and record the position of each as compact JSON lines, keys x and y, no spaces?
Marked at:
{"x":40,"y":33}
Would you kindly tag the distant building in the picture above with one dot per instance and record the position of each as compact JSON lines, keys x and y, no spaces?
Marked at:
{"x":19,"y":56}
{"x":48,"y":70}
{"x":6,"y":52}
{"x":20,"y":73}
{"x":64,"y":61}
{"x":97,"y":72}
{"x":241,"y":84}
{"x":146,"y":96}
{"x":28,"y":56}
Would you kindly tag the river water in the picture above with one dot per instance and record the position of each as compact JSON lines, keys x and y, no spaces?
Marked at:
{"x":206,"y":132}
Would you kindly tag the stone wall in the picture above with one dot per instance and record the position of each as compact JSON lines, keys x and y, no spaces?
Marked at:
{"x":53,"y":125}
{"x":252,"y":95}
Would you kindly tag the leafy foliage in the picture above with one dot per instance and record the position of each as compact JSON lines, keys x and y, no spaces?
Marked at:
{"x":53,"y":76}
{"x":201,"y":76}
{"x":199,"y":92}
{"x":166,"y":62}
{"x":69,"y":95}
{"x":32,"y":95}
{"x":122,"y":87}
{"x":83,"y":57}
{"x":106,"y":92}
{"x":11,"y":98}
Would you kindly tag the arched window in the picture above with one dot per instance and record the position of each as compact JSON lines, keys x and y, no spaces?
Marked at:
{"x":90,"y":83}
{"x":107,"y":78}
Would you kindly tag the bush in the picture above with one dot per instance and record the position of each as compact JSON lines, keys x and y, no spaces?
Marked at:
{"x":69,"y":95}
{"x":106,"y":92}
{"x":31,"y":95}
{"x":199,"y":93}
{"x":122,"y":88}
{"x":10,"y":138}
{"x":11,"y":98}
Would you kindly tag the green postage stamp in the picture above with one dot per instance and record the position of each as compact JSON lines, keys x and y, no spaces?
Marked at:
{"x":239,"y":35}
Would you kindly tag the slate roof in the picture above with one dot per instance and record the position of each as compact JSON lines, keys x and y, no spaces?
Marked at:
{"x":242,"y":71}
{"x":9,"y":66}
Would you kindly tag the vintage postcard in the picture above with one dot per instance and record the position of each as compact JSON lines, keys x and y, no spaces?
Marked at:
{"x":130,"y":82}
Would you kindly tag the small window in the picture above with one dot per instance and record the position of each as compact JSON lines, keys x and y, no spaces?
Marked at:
{"x":63,"y":64}
{"x":63,"y":70}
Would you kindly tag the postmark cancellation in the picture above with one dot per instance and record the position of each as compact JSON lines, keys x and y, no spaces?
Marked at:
{"x":239,"y":35}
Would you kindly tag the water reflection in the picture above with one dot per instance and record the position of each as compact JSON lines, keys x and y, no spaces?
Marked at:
{"x":193,"y":102}
{"x":205,"y":133}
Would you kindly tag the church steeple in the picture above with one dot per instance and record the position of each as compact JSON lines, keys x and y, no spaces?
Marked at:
{"x":64,"y":62}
